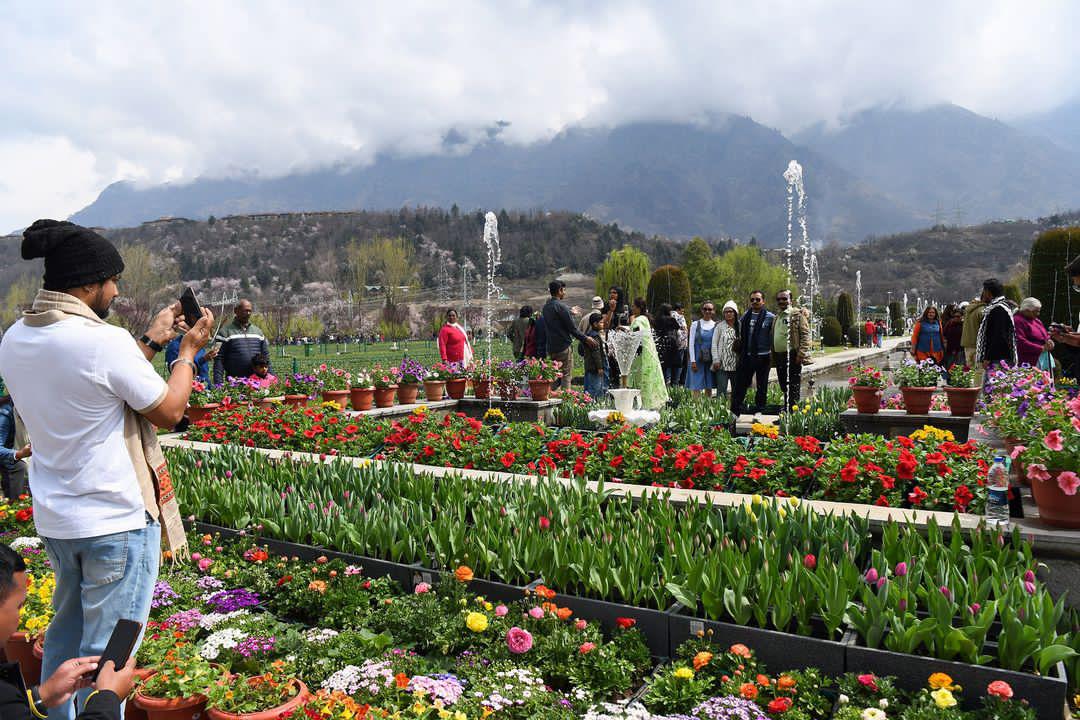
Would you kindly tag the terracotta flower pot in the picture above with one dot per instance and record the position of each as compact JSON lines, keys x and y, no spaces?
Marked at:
{"x":508,"y":391}
{"x":540,"y":389}
{"x":407,"y":392}
{"x":384,"y":397}
{"x":917,"y":399}
{"x":1055,"y":507}
{"x":295,"y":703}
{"x":196,"y":413}
{"x":434,"y":389}
{"x":456,"y":388}
{"x":20,"y":648}
{"x":341,"y":397}
{"x":296,"y":400}
{"x":131,"y":710}
{"x":362,"y":398}
{"x":962,"y":400}
{"x":482,"y":389}
{"x":189,"y":708}
{"x":867,"y":399}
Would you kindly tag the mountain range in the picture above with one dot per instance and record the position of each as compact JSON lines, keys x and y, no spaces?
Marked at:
{"x":881,"y":171}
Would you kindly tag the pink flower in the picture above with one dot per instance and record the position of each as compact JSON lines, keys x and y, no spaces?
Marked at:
{"x":501,"y":610}
{"x":1029,"y":576}
{"x":1068,"y":482}
{"x":518,"y":641}
{"x":196,"y":557}
{"x":1017,"y":450}
{"x":422,"y":588}
{"x":1053,"y":441}
{"x":974,"y":608}
{"x":901,"y":569}
{"x":581,"y":624}
{"x":1037,"y":471}
{"x":586,"y":647}
{"x":868,"y":681}
{"x":1029,"y":587}
{"x":536,"y":613}
{"x":871,"y":575}
{"x":205,"y":564}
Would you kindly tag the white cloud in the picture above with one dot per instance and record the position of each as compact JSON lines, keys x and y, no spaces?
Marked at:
{"x":95,"y":93}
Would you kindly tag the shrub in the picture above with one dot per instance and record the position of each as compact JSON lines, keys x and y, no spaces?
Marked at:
{"x":668,"y":284}
{"x":831,"y":333}
{"x":896,"y":318}
{"x":845,"y":311}
{"x":1050,"y":253}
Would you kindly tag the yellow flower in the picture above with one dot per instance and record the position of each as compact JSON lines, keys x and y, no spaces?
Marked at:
{"x":755,"y":499}
{"x":781,"y":512}
{"x":818,"y":411}
{"x":941,"y":680}
{"x":943,"y":698}
{"x":684,"y":673}
{"x":793,"y":501}
{"x":330,"y":405}
{"x":420,"y":410}
{"x":615,"y":418}
{"x":477,"y":622}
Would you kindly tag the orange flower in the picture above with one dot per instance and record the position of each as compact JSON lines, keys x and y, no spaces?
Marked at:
{"x":763,"y":680}
{"x":545,"y":592}
{"x":318,"y":586}
{"x":748,"y":691}
{"x":785,"y":682}
{"x":401,"y":680}
{"x":564,"y":613}
{"x":702,"y":659}
{"x":549,"y":607}
{"x":463,"y":574}
{"x":740,"y":650}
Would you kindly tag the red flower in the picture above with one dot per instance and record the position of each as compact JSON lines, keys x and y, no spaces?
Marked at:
{"x":850,"y":471}
{"x":24,"y":515}
{"x":963,"y":497}
{"x":616,"y":461}
{"x":803,"y":471}
{"x":508,"y":459}
{"x":882,"y":501}
{"x":625,"y":623}
{"x":544,"y":523}
{"x":779,"y":705}
{"x":809,"y":562}
{"x":934,"y":458}
{"x":917,"y":495}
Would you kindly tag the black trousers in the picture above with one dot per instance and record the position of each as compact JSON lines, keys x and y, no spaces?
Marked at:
{"x":751,"y":367}
{"x":790,"y":377}
{"x":14,"y":482}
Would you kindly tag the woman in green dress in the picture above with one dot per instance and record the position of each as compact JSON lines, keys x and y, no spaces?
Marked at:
{"x":646,"y":373}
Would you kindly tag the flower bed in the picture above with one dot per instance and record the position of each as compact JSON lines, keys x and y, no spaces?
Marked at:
{"x":929,"y":471}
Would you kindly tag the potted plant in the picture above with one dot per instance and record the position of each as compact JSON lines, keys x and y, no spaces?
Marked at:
{"x":481,"y":379}
{"x":362,"y":392}
{"x":412,"y":373}
{"x":269,"y":696}
{"x":204,"y":399}
{"x":540,"y":375}
{"x":917,"y":383}
{"x":457,"y":379}
{"x":335,"y":384}
{"x":507,"y":377}
{"x":300,"y":388}
{"x":961,"y":391}
{"x":34,"y":618}
{"x":1052,"y":459}
{"x":438,"y":376}
{"x":386,"y":384}
{"x":866,"y":384}
{"x":180,"y":692}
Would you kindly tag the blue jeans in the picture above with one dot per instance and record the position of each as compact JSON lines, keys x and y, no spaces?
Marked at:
{"x":99,"y":580}
{"x":596,"y":385}
{"x":723,"y":377}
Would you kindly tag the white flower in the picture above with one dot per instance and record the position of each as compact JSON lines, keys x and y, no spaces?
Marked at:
{"x":222,"y":640}
{"x":25,"y":542}
{"x":318,"y":636}
{"x":872,"y":714}
{"x":883,"y":703}
{"x":212,"y":620}
{"x":844,"y":699}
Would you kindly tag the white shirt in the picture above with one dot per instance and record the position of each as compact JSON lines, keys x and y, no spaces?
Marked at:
{"x":70,"y":382}
{"x":706,"y":326}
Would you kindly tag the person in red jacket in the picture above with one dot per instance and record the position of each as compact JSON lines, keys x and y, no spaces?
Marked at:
{"x":870,"y":328}
{"x":453,"y":342}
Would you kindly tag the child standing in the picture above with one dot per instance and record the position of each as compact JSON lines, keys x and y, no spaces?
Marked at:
{"x":261,"y":377}
{"x":596,"y":383}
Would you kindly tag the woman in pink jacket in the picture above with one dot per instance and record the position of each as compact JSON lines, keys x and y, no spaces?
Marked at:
{"x":1032,"y":337}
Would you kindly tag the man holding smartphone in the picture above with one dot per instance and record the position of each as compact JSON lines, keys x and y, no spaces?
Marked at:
{"x":90,"y":398}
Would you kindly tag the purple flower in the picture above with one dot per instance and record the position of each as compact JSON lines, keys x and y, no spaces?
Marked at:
{"x":1029,"y":587}
{"x":185,"y":620}
{"x":946,"y":592}
{"x":228,"y":601}
{"x":255,"y":645}
{"x":1029,"y":576}
{"x":163,"y":595}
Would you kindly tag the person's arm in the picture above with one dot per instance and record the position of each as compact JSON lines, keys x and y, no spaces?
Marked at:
{"x":717,"y":339}
{"x":442,"y":343}
{"x":568,"y":324}
{"x":264,"y":348}
{"x":995,"y":338}
{"x":8,"y":456}
{"x":804,"y":336}
{"x":219,"y":365}
{"x":915,"y":336}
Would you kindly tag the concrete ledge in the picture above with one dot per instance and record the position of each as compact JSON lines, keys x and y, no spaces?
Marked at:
{"x":542,"y":412}
{"x":890,"y":423}
{"x":396,"y":411}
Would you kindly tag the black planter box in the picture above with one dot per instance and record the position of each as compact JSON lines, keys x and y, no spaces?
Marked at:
{"x":778,"y":650}
{"x":1045,"y":693}
{"x":653,"y":624}
{"x":400,"y":573}
{"x":490,"y":589}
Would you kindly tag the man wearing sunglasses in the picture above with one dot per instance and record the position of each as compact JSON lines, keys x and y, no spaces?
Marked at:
{"x":756,"y":332}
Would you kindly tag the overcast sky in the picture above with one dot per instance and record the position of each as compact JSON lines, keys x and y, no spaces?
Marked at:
{"x":95,"y":92}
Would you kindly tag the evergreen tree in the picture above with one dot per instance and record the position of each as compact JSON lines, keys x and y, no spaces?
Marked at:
{"x":1050,"y":253}
{"x":845,"y":311}
{"x":668,"y":284}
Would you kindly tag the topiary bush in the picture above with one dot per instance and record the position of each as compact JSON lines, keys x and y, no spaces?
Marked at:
{"x":1050,"y":253}
{"x":831,"y":333}
{"x":668,"y":284}
{"x":845,"y":311}
{"x":896,"y":318}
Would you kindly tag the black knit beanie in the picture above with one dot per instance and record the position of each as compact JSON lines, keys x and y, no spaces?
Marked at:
{"x":74,"y":256}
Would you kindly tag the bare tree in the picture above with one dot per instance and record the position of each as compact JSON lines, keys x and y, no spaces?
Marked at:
{"x":19,"y":297}
{"x":148,"y":281}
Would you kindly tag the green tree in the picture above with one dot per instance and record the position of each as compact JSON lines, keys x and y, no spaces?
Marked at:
{"x":1050,"y":253}
{"x":831,"y":333}
{"x":668,"y":284}
{"x":845,"y":311}
{"x":148,"y":283}
{"x":896,"y":318}
{"x":627,"y":268}
{"x":19,"y":297}
{"x":1012,"y":292}
{"x":387,"y":262}
{"x":699,"y":264}
{"x":742,"y":270}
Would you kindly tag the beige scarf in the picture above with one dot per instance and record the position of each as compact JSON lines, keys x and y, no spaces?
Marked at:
{"x":140,"y":435}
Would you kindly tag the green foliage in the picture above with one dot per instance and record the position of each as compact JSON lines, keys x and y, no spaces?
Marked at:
{"x":393,"y":330}
{"x":668,"y":284}
{"x":896,"y":318}
{"x":1012,"y":291}
{"x":1050,"y":253}
{"x":627,"y":268}
{"x":845,"y":311}
{"x":699,"y":263}
{"x":739,"y":272}
{"x":831,"y":333}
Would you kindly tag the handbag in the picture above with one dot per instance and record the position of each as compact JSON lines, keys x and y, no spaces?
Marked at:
{"x":704,"y":355}
{"x":1046,"y":361}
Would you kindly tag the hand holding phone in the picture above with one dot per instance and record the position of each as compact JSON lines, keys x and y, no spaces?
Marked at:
{"x":190,"y":306}
{"x":121,"y":643}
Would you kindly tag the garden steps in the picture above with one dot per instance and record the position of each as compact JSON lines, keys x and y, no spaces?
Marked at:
{"x":877,"y":516}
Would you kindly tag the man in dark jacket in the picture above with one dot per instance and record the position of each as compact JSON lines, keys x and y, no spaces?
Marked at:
{"x":997,"y":335}
{"x":519,"y":329}
{"x":237,"y":343}
{"x":560,"y":331}
{"x":17,"y":702}
{"x":756,"y":333}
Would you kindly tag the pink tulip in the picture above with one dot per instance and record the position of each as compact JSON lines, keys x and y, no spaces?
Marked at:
{"x":205,"y":564}
{"x":1029,"y":576}
{"x":900,"y":570}
{"x":1068,"y":481}
{"x":871,"y":575}
{"x":974,"y":608}
{"x":1029,"y":587}
{"x":422,"y":588}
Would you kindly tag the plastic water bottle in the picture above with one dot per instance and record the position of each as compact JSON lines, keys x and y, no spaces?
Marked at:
{"x":997,"y":494}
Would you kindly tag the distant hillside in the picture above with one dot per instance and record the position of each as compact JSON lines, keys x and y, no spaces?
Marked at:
{"x":677,"y":180}
{"x":1060,"y":126}
{"x":949,"y":157}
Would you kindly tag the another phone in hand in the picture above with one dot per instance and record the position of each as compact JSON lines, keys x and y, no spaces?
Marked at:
{"x":190,"y":306}
{"x":121,"y":643}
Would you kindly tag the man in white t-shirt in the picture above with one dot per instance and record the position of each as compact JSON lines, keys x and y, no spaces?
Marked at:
{"x":73,"y":376}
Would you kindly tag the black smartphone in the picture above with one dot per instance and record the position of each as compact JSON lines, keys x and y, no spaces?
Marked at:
{"x":121,"y":643}
{"x":190,"y":306}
